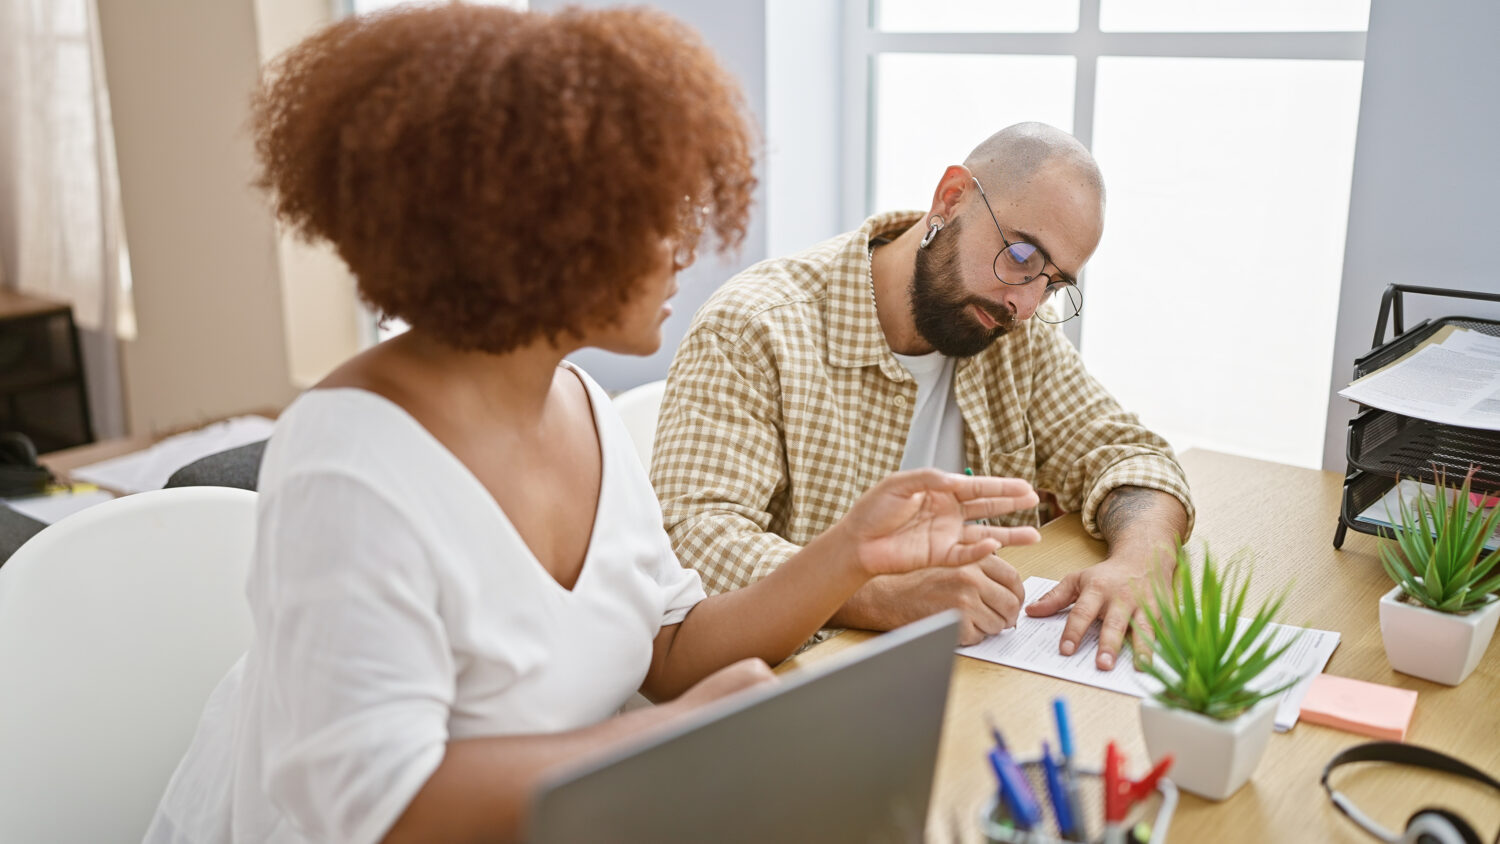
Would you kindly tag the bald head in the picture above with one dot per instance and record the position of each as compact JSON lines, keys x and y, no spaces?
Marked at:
{"x":1014,"y":155}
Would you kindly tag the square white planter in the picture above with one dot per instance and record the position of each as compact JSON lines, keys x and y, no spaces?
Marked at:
{"x":1437,"y":646}
{"x":1213,"y":758}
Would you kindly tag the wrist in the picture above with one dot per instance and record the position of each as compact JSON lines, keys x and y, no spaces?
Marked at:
{"x":840,"y":553}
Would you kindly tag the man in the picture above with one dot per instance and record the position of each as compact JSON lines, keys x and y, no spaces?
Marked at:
{"x":921,"y":339}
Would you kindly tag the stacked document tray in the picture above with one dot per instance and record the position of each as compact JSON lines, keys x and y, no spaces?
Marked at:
{"x":1384,"y":447}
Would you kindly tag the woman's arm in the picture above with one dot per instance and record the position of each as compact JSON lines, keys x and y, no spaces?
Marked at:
{"x":482,"y":788}
{"x":910,"y":520}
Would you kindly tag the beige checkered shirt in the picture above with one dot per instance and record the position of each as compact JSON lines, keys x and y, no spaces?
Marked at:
{"x":784,"y":404}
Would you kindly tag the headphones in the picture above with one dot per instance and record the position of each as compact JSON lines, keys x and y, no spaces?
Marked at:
{"x":1428,"y":826}
{"x":20,"y":474}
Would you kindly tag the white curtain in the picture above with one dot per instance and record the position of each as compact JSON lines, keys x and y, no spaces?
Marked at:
{"x":60,"y":222}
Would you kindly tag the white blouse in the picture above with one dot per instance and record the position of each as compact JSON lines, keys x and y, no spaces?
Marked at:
{"x":396,"y":608}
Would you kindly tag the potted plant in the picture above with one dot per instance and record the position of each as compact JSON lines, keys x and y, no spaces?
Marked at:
{"x":1440,"y":617}
{"x":1210,"y":712}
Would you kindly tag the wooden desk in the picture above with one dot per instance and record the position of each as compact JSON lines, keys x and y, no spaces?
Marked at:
{"x":1286,"y":516}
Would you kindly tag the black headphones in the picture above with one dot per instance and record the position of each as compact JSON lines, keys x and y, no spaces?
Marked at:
{"x":20,"y":474}
{"x":1427,"y":826}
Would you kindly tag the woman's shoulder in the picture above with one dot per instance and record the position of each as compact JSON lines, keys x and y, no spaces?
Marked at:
{"x":346,"y":431}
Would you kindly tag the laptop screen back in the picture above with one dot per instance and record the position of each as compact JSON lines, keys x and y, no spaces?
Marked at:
{"x":841,"y":751}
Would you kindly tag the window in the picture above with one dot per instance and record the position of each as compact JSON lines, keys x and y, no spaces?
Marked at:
{"x":1226,"y":135}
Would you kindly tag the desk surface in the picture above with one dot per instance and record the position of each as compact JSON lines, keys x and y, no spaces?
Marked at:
{"x":1286,"y":517}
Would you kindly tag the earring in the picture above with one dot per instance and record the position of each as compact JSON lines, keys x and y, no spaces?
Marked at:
{"x":932,"y":232}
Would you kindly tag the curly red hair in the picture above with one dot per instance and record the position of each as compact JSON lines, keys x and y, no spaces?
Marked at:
{"x":490,"y":175}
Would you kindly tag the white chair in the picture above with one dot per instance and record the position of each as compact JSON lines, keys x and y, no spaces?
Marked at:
{"x":639,"y":407}
{"x":115,"y":625}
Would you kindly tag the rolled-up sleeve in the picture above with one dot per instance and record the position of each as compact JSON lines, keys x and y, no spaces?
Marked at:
{"x":356,"y":720}
{"x":1087,"y":444}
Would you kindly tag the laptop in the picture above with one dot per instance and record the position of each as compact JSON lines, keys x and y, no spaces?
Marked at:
{"x":841,"y":751}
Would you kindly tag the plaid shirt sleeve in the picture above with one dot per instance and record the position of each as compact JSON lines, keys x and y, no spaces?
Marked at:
{"x":718,"y":460}
{"x":1087,"y":444}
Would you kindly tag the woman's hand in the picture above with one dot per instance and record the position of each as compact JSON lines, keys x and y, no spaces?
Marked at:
{"x":732,"y":678}
{"x":920,"y":518}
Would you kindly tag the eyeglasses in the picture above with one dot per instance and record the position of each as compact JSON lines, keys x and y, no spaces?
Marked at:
{"x":1028,"y":261}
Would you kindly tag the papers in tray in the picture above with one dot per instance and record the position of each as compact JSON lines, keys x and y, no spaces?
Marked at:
{"x":1453,"y":379}
{"x":1032,"y":645}
{"x":1389,"y":505}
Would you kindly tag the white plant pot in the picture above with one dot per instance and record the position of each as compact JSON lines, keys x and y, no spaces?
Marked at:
{"x":1437,"y":646}
{"x":1213,"y":758}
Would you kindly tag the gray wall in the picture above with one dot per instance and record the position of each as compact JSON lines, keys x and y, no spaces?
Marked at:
{"x":1424,"y":207}
{"x":736,"y":31}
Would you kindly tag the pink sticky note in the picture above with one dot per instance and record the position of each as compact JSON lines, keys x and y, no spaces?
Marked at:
{"x":1370,"y":709}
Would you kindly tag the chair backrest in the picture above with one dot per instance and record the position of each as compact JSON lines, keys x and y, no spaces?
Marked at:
{"x":15,"y":530}
{"x":237,"y":467}
{"x":639,"y":407}
{"x":115,"y":625}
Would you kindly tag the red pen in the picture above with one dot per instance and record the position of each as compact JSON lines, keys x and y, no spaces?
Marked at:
{"x":1116,"y":795}
{"x":1120,"y":793}
{"x":1147,"y":784}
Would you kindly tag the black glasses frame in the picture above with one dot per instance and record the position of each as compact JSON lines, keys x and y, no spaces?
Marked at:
{"x":1054,"y":284}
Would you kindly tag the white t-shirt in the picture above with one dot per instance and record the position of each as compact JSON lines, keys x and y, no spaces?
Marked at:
{"x":396,"y":608}
{"x":936,"y":437}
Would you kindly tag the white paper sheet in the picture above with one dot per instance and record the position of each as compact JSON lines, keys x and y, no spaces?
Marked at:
{"x":54,"y":507}
{"x":1455,"y":382}
{"x":1032,"y":645}
{"x":1390,"y":503}
{"x":151,"y":467}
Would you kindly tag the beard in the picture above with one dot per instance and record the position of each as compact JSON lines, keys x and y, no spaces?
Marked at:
{"x":940,"y":305}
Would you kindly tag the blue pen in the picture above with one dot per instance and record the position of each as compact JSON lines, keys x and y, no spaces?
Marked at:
{"x":995,"y":732}
{"x":1015,"y":790}
{"x":1058,"y":794}
{"x":1069,"y":780}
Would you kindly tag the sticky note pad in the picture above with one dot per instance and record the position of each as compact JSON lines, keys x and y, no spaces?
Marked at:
{"x":1370,"y":709}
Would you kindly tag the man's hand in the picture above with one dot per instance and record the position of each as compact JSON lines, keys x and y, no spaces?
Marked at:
{"x":1141,"y":526}
{"x":1108,"y":592}
{"x":987,"y":594}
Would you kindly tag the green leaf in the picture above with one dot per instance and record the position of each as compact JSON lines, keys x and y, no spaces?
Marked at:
{"x":1440,"y":537}
{"x":1206,"y":658}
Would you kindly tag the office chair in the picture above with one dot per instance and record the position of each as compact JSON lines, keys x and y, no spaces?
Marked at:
{"x":115,"y":625}
{"x":639,"y":407}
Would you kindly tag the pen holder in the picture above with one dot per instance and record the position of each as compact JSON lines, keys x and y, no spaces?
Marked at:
{"x":1155,"y":810}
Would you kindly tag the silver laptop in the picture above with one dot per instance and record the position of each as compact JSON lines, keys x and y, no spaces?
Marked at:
{"x":841,"y":751}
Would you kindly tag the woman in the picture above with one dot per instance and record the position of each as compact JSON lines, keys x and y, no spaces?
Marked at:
{"x":460,"y":573}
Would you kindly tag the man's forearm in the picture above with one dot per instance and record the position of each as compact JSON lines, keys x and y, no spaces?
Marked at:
{"x":1139,"y":521}
{"x":869,"y":608}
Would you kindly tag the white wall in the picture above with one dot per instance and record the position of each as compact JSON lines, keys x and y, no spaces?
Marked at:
{"x":203,"y":247}
{"x":1425,"y":203}
{"x":804,"y":127}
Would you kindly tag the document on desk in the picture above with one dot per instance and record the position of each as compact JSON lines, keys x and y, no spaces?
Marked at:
{"x":59,"y":505}
{"x":1032,"y":645}
{"x":1453,"y":382}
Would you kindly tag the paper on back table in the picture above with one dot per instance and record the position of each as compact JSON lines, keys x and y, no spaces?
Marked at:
{"x":151,"y":467}
{"x":1032,"y":645}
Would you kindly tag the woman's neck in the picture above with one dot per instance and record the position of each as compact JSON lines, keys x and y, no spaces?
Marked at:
{"x":421,"y":373}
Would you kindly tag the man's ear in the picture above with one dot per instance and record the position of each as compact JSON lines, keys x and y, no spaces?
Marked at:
{"x":956,"y":181}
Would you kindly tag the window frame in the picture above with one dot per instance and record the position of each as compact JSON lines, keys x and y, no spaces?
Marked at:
{"x":864,"y":43}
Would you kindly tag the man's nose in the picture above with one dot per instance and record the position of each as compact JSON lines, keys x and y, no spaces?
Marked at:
{"x":1024,"y":299}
